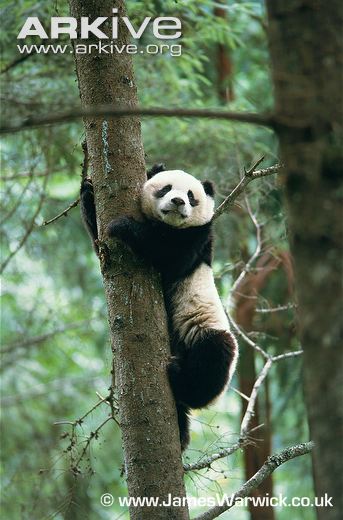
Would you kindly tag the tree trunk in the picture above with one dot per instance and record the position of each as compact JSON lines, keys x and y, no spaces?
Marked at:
{"x":224,"y":64}
{"x":306,"y":51}
{"x":137,"y":321}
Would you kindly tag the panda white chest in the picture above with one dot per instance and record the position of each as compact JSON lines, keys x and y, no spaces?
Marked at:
{"x":195,"y":305}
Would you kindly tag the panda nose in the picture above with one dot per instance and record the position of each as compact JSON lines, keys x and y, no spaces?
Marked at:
{"x":178,"y":201}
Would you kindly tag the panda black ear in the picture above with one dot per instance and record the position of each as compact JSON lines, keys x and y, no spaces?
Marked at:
{"x":157,"y":168}
{"x":209,"y":188}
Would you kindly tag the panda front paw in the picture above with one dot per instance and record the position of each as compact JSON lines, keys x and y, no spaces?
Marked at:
{"x":86,"y":186}
{"x":118,"y":227}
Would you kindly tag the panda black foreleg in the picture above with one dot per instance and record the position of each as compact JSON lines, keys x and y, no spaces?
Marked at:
{"x":135,"y":234}
{"x":88,"y":211}
{"x":202,"y":373}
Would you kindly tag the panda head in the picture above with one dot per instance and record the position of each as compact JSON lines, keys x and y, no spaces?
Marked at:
{"x":177,"y":198}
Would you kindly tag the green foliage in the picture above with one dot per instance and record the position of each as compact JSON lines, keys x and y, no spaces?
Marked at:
{"x":52,"y":285}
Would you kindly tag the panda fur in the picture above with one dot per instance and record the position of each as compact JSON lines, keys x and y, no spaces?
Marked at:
{"x":176,"y":238}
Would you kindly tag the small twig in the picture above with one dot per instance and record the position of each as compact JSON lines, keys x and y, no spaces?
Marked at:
{"x":81,"y":419}
{"x":240,"y":393}
{"x":29,"y":174}
{"x":267,"y":310}
{"x":248,"y":176}
{"x":225,"y":452}
{"x":19,"y":200}
{"x":93,"y":435}
{"x":36,"y":340}
{"x":103,"y":399}
{"x":17,"y":61}
{"x":287,"y":355}
{"x":248,"y":173}
{"x":271,"y":464}
{"x":246,"y":338}
{"x":254,"y":256}
{"x":63,"y":213}
{"x":29,"y":228}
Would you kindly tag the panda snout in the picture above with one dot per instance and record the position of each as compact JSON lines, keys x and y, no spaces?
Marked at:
{"x":177,"y":201}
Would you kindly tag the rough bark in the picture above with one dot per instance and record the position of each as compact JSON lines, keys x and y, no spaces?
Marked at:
{"x":134,"y":298}
{"x":306,"y":52}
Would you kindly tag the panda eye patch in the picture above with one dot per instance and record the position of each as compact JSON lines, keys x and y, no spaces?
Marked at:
{"x":163,"y":191}
{"x":193,"y":202}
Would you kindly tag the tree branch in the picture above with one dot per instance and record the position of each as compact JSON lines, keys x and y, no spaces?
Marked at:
{"x":287,"y":355}
{"x":17,"y":61}
{"x":83,"y":176}
{"x":278,"y":308}
{"x":248,"y":176}
{"x":63,"y":213}
{"x":246,"y":338}
{"x":28,"y":230}
{"x":36,"y":340}
{"x":110,"y":112}
{"x":268,"y":467}
{"x":225,"y":452}
{"x":252,"y":399}
{"x":256,"y":253}
{"x":29,"y":174}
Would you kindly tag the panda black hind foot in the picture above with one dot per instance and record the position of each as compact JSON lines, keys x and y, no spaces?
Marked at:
{"x":204,"y":371}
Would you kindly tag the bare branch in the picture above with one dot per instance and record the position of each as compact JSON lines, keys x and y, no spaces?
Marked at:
{"x":21,"y":59}
{"x":269,"y":310}
{"x":238,"y":392}
{"x":92,"y":435}
{"x":268,"y":467}
{"x":28,"y":230}
{"x":29,"y":174}
{"x":81,"y":419}
{"x":18,"y":201}
{"x":249,"y":412}
{"x":225,"y":452}
{"x":17,"y":61}
{"x":246,"y":338}
{"x":256,"y":253}
{"x":248,"y":176}
{"x":83,"y":176}
{"x":63,"y":213}
{"x":36,"y":340}
{"x":110,"y":112}
{"x":287,"y":355}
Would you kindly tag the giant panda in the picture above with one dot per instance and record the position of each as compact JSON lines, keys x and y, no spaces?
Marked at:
{"x":176,"y":238}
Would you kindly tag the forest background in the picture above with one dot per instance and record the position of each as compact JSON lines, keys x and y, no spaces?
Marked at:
{"x":55,"y":342}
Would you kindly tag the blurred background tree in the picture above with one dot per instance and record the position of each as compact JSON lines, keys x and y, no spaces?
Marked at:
{"x":56,"y":354}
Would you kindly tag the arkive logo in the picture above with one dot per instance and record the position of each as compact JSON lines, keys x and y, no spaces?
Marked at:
{"x":170,"y":25}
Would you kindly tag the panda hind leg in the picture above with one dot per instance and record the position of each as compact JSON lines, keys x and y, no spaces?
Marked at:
{"x":202,"y":374}
{"x":183,"y":420}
